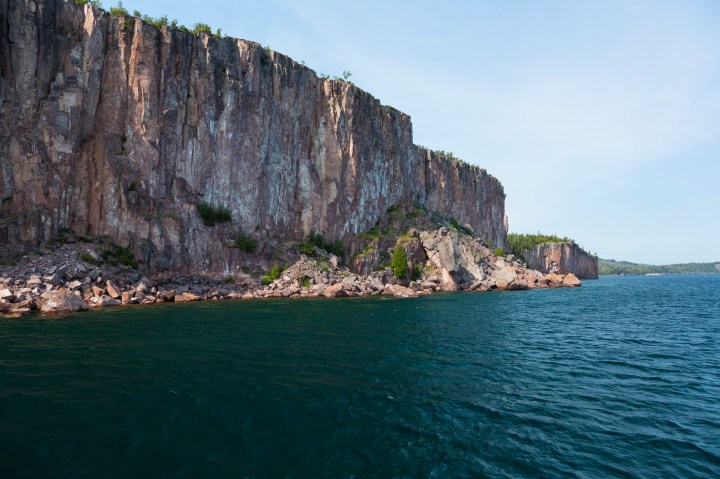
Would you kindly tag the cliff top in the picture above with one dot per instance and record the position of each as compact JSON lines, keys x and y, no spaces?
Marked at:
{"x":205,"y":33}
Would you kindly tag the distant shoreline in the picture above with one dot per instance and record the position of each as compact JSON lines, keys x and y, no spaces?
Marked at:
{"x":611,"y":267}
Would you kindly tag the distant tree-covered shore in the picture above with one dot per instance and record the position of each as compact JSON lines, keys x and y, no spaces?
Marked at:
{"x":610,"y":267}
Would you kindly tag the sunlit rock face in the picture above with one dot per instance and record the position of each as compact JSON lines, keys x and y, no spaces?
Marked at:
{"x":562,"y":258}
{"x":111,"y":126}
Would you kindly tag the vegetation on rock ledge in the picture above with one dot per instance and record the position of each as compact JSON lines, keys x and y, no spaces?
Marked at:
{"x":519,"y":243}
{"x":399,"y":262}
{"x":212,"y":215}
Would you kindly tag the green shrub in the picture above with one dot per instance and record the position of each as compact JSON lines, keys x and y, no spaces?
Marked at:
{"x":416,"y":272}
{"x":499,"y":251}
{"x":119,"y":255}
{"x":274,"y":274}
{"x":92,"y":3}
{"x":306,"y":248}
{"x":89,"y":259}
{"x":212,"y":215}
{"x":519,"y":243}
{"x":202,"y":28}
{"x":246,"y":242}
{"x":305,"y":282}
{"x":118,"y":11}
{"x":399,"y":262}
{"x":316,"y":239}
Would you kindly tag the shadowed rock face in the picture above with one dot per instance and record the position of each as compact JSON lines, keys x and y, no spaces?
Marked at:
{"x":562,"y":258}
{"x":111,"y":126}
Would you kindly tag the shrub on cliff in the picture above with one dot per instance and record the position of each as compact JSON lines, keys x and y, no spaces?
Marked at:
{"x":246,"y":242}
{"x":316,"y":239}
{"x":520,"y":243}
{"x":499,"y":251}
{"x":92,"y":3}
{"x":272,"y":275}
{"x":212,"y":215}
{"x":202,"y":28}
{"x":118,"y":254}
{"x":399,"y":262}
{"x":118,"y":11}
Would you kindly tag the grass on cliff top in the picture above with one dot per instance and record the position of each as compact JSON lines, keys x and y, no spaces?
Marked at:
{"x":519,"y":243}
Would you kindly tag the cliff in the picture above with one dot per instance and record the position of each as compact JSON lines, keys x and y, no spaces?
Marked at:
{"x":562,"y":258}
{"x":113,"y":127}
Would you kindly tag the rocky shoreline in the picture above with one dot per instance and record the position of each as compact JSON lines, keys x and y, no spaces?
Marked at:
{"x":76,"y":277}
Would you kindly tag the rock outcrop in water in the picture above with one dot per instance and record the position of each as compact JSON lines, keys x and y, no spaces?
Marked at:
{"x":110,"y":126}
{"x":562,"y":258}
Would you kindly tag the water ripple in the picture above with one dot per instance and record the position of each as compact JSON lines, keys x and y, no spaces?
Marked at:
{"x":619,"y":378}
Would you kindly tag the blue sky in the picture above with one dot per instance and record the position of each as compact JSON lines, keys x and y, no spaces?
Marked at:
{"x":601,"y":119}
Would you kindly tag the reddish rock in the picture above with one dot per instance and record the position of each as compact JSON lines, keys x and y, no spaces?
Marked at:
{"x":112,"y":289}
{"x":185,"y":297}
{"x":335,"y":291}
{"x":562,"y":258}
{"x":571,"y":281}
{"x":166,"y":296}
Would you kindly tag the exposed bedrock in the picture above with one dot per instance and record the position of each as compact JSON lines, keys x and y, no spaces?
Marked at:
{"x":562,"y":258}
{"x":111,"y":126}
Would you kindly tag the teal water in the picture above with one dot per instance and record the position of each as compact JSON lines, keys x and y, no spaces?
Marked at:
{"x":619,"y":378}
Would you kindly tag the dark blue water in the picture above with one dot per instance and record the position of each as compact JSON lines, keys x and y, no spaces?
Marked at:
{"x":620,"y":378}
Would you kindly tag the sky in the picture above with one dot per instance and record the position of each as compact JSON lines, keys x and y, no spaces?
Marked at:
{"x":600,"y":118}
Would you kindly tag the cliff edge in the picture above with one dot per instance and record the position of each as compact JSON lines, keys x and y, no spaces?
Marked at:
{"x":110,"y":126}
{"x":562,"y":258}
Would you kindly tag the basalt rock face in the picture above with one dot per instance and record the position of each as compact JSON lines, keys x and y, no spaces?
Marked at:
{"x":111,"y":126}
{"x":562,"y":258}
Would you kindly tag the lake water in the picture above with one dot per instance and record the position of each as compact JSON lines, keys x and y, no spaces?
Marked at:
{"x":619,"y":378}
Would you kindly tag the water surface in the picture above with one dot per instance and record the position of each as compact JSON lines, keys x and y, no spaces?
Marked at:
{"x":619,"y":378}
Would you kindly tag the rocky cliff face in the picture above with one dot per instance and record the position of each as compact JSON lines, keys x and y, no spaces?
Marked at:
{"x":111,"y":126}
{"x":562,"y":258}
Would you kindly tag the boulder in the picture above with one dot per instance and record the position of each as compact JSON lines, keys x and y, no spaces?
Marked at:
{"x":184,"y":297}
{"x":448,"y":282}
{"x":112,"y":289}
{"x":335,"y":291}
{"x":63,"y":301}
{"x":58,"y":277}
{"x":6,"y":294}
{"x":167,"y":296}
{"x":571,"y":281}
{"x":506,"y":274}
{"x":402,"y":292}
{"x":106,"y":300}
